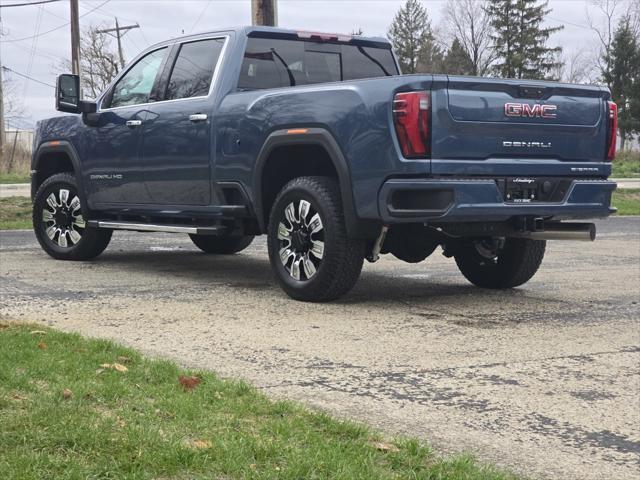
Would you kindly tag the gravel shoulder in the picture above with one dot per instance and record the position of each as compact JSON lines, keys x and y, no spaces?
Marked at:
{"x":544,"y":379}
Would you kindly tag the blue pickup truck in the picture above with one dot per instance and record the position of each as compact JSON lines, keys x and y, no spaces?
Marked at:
{"x":319,"y":142}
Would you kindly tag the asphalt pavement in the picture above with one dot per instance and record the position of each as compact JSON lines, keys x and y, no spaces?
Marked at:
{"x":543,"y":379}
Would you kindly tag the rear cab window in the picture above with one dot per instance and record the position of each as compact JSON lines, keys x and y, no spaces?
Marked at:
{"x":282,"y":62}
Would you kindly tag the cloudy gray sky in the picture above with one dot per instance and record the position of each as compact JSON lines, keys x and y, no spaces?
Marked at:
{"x":162,"y":19}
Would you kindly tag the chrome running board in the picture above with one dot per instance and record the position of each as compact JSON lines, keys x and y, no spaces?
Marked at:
{"x":148,"y":227}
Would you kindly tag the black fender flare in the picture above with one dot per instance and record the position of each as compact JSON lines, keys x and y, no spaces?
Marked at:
{"x":301,"y":135}
{"x":59,"y":146}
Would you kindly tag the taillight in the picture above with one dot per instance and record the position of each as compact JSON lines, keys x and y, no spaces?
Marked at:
{"x":613,"y":131}
{"x":411,"y":112}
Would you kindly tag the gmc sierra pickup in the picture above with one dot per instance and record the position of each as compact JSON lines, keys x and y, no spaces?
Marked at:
{"x":319,"y":142}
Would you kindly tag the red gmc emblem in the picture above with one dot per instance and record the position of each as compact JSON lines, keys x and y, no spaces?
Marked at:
{"x":530,"y":111}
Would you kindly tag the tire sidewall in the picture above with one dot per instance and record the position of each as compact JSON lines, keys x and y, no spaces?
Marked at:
{"x":53,"y":184}
{"x":294,"y":193}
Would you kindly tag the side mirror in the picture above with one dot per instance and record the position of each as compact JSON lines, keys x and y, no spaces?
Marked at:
{"x":68,"y":95}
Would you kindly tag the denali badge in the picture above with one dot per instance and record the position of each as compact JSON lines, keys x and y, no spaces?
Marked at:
{"x":530,"y":111}
{"x":527,"y":144}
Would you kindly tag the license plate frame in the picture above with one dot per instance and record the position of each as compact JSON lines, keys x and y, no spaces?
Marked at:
{"x":522,"y":190}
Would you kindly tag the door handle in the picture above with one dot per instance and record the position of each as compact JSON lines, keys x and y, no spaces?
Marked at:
{"x":133,"y":123}
{"x":198,"y":117}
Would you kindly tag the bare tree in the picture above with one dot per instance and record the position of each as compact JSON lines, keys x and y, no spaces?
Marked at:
{"x":13,"y":108}
{"x":99,"y":63}
{"x":576,"y":67}
{"x":468,"y":21}
{"x":604,"y":26}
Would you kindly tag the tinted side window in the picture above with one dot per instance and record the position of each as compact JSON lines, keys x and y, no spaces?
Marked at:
{"x":193,"y":69}
{"x":271,"y":63}
{"x":136,"y":85}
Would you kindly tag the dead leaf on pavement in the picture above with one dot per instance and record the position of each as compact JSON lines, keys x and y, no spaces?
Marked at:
{"x":66,"y":394}
{"x":42,"y":346}
{"x":189,"y":383}
{"x":385,"y":447}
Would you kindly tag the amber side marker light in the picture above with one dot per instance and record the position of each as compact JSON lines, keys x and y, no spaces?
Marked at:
{"x":297,"y":131}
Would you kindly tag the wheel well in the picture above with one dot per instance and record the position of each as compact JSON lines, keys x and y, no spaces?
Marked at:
{"x":51,"y":163}
{"x":288,"y":162}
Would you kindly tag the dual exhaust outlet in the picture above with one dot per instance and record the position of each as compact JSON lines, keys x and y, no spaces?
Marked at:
{"x":585,"y":232}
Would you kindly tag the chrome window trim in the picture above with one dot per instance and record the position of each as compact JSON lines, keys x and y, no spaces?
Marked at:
{"x":214,"y":77}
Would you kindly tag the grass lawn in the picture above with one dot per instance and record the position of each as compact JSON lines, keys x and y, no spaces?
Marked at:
{"x":627,"y":201}
{"x":15,"y":213}
{"x":626,"y":165}
{"x":71,"y":407}
{"x":14,"y":178}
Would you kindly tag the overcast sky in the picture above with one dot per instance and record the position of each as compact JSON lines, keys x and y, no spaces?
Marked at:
{"x":162,"y":19}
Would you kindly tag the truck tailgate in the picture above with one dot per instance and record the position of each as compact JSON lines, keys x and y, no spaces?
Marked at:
{"x":520,"y":119}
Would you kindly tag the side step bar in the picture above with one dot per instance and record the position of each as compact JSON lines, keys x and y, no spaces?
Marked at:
{"x":148,"y":227}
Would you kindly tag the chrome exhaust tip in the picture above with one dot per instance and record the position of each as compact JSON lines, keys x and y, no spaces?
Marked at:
{"x":585,"y":232}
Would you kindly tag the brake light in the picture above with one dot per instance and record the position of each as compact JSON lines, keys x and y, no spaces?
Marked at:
{"x":411,"y":112}
{"x":324,"y":37}
{"x":613,"y":131}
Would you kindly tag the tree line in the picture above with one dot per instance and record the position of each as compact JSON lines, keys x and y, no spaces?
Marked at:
{"x":511,"y":39}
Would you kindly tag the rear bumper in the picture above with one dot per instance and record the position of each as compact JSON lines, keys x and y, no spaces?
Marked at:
{"x":471,"y":200}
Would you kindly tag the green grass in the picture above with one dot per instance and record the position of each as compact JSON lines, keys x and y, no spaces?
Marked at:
{"x":627,"y":201}
{"x":142,"y":424}
{"x":15,"y":213}
{"x":626,"y":165}
{"x":14,"y":178}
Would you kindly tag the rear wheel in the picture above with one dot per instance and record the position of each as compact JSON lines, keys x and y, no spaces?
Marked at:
{"x":310,"y":252}
{"x":223,"y":244}
{"x":59,"y":224}
{"x":498,"y":262}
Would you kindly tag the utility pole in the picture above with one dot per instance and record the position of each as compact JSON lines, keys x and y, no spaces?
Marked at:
{"x":264,"y":12}
{"x":118,"y":36}
{"x":75,"y":38}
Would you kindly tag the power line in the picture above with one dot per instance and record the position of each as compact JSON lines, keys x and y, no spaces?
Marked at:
{"x":28,"y":4}
{"x":7,"y":69}
{"x":56,"y":28}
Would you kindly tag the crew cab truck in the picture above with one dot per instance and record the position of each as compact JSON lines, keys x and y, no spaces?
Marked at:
{"x":319,"y":142}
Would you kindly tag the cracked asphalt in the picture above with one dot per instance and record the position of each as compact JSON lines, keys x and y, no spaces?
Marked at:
{"x":543,"y":379}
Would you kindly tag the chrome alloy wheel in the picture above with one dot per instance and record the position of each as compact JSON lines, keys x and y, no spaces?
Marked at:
{"x":64,"y":223}
{"x":301,"y":237}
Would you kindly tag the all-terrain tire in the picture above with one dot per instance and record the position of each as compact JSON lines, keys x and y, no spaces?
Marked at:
{"x":515,"y":264}
{"x":221,"y":245}
{"x":336,"y":260}
{"x":82,"y":242}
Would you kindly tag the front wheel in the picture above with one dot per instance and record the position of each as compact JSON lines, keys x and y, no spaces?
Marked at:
{"x":58,"y":223}
{"x":500,"y":263}
{"x":313,"y":258}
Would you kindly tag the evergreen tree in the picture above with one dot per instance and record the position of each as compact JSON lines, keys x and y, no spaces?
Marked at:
{"x":456,"y":61}
{"x":520,"y":41}
{"x":412,"y":39}
{"x":623,"y":78}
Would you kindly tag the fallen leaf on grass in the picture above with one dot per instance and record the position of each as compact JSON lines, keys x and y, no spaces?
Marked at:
{"x":198,"y":444}
{"x":385,"y":447}
{"x":38,"y":332}
{"x":189,"y":383}
{"x":42,"y":346}
{"x":124,"y":359}
{"x":113,"y":366}
{"x":66,"y":394}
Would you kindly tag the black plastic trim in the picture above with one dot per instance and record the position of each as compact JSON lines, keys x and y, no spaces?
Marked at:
{"x":356,"y":228}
